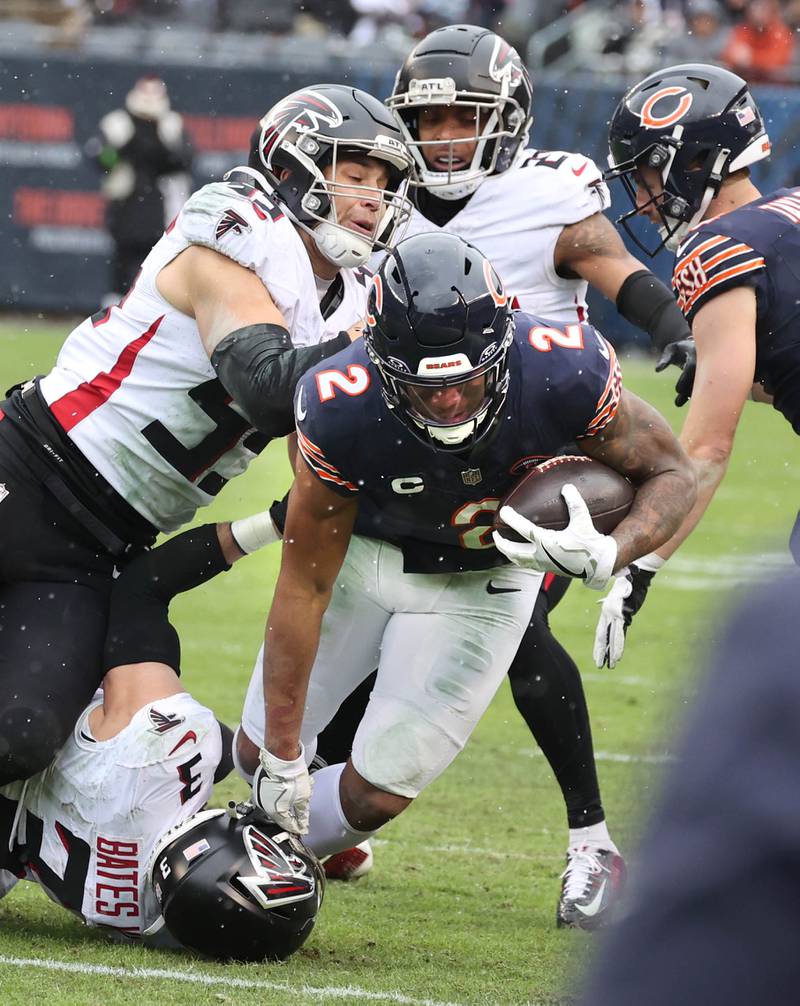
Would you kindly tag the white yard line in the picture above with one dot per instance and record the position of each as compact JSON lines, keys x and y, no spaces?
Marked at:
{"x":349,"y":993}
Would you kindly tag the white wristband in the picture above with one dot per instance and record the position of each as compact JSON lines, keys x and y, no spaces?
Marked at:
{"x":253,"y":533}
{"x":650,"y":563}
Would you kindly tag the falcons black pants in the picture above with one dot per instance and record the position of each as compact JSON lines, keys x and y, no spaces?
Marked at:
{"x":54,"y":587}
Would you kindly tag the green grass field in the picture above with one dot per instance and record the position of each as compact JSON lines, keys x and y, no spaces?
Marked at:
{"x":460,"y":907}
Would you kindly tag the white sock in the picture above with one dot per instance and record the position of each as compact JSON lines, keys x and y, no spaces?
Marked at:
{"x":593,"y":834}
{"x":329,"y":829}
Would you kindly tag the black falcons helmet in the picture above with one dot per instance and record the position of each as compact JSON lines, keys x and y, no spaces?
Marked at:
{"x":694,"y":124}
{"x":437,"y":318}
{"x":470,"y":66}
{"x":314,"y":128}
{"x":234,"y":886}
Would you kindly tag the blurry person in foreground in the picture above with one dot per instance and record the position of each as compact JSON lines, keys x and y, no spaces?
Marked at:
{"x":712,"y":918}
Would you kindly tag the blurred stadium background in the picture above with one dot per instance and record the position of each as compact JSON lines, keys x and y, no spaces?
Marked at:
{"x":65,"y":63}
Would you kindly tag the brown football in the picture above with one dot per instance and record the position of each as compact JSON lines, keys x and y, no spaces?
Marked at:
{"x":537,"y":495}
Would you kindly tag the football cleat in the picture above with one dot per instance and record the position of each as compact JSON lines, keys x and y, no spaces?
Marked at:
{"x":350,"y":864}
{"x":591,"y":886}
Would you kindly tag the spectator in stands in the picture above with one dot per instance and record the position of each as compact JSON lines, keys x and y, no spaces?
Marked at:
{"x":705,"y":34}
{"x":761,"y":47}
{"x":138,"y":147}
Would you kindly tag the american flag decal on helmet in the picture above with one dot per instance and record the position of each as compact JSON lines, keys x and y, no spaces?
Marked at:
{"x":231,"y":221}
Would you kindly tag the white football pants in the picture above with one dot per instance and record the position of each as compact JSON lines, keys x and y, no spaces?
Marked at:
{"x":442,"y":644}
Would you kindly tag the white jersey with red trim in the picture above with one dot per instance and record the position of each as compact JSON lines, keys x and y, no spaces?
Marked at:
{"x":87,"y":826}
{"x":516,"y":218}
{"x":133,"y":386}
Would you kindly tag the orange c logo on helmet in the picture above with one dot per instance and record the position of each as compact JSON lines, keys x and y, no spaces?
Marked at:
{"x":494,"y":285}
{"x":377,"y":283}
{"x":652,"y":121}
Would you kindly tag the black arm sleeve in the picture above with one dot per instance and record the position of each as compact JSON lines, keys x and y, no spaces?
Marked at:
{"x":644,"y":301}
{"x":260,"y":369}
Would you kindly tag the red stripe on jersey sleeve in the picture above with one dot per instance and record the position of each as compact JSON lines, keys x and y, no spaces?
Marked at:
{"x":76,"y":405}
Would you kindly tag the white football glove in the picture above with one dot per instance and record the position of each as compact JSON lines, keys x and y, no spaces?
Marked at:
{"x":579,"y":550}
{"x":282,"y":789}
{"x":609,"y":637}
{"x":619,"y":606}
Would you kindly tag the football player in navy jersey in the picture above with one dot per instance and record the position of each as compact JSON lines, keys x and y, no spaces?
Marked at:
{"x":462,"y":100}
{"x":682,"y":141}
{"x":408,"y":441}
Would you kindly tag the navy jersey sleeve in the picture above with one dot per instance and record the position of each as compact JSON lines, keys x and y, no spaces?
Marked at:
{"x":580,"y":372}
{"x":709,"y":264}
{"x":328,"y":415}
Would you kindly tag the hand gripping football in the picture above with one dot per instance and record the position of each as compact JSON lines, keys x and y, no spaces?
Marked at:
{"x":537,"y":495}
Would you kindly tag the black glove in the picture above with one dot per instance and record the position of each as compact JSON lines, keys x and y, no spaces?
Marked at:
{"x":684,"y":355}
{"x":616,"y":614}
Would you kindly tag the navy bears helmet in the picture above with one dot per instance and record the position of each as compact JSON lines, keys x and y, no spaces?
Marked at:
{"x":439,"y":326}
{"x":467,"y":66}
{"x":695,"y":125}
{"x":235,"y":886}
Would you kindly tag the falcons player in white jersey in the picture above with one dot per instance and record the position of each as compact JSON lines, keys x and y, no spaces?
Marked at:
{"x":463,"y":102}
{"x":155,"y":403}
{"x":115,"y":829}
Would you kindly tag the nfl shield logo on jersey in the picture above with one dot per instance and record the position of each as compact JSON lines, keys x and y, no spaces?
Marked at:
{"x":3,"y":491}
{"x":472,"y":476}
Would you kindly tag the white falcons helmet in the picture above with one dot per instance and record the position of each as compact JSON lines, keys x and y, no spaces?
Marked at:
{"x":316,"y":128}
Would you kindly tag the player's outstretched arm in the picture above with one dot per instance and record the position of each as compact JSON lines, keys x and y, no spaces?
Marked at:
{"x":244,"y":334}
{"x":319,"y":525}
{"x":639,"y":444}
{"x":593,"y":249}
{"x":724,"y":331}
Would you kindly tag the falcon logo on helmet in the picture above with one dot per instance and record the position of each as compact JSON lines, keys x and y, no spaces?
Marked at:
{"x":652,"y":121}
{"x":281,"y":878}
{"x":304,"y":111}
{"x":505,"y":63}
